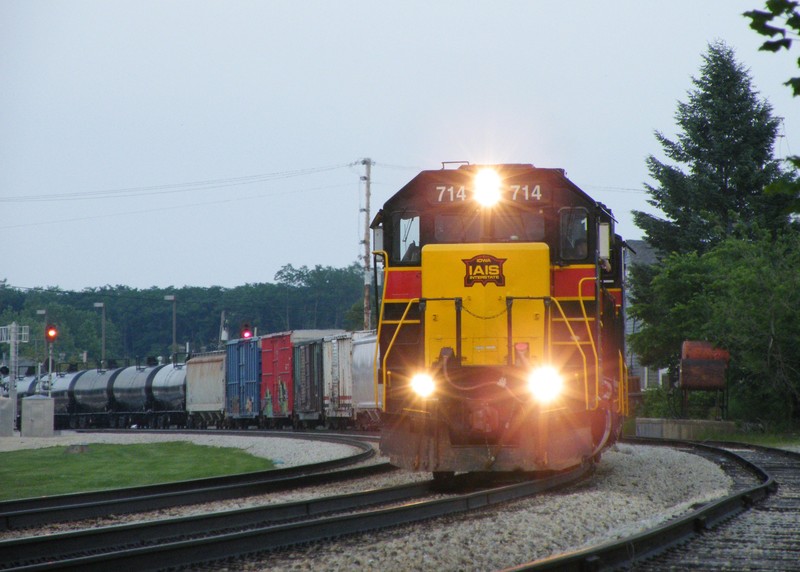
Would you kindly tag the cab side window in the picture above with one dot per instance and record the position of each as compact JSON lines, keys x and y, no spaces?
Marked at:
{"x":406,"y":247}
{"x":574,"y":233}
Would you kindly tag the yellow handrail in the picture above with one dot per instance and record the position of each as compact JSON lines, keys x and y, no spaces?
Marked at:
{"x":591,"y":337}
{"x":624,"y":405}
{"x":580,"y":349}
{"x":391,"y":344}
{"x":385,"y":256}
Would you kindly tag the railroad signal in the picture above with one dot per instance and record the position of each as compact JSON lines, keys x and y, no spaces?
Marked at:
{"x":51,"y":333}
{"x":246,"y":332}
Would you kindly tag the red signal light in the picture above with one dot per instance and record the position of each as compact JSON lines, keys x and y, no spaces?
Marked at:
{"x":51,"y":333}
{"x":246,"y":332}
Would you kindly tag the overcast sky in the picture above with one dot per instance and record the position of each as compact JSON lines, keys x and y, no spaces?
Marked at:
{"x":171,"y":143}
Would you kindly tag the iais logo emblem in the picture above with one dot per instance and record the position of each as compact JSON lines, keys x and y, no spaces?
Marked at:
{"x":484,"y":269}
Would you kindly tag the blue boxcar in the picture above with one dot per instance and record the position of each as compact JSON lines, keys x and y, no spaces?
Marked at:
{"x":243,"y":368}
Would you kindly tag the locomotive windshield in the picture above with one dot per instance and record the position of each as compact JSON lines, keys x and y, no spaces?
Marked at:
{"x":411,"y":230}
{"x":509,"y":226}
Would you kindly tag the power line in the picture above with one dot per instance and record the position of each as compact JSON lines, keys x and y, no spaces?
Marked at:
{"x":165,"y":208}
{"x":172,"y":187}
{"x":616,"y":189}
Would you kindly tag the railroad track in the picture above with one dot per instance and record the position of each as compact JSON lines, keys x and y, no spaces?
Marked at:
{"x":207,"y":538}
{"x":754,"y":528}
{"x":26,"y":513}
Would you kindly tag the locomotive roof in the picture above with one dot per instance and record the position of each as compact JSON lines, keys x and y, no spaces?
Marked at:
{"x":555,"y":178}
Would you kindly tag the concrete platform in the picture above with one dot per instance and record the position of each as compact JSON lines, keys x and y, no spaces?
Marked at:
{"x":682,"y":428}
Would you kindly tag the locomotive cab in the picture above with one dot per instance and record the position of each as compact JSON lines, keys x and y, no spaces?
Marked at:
{"x":500,"y":330}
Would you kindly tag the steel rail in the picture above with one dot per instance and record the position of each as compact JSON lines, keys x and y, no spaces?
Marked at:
{"x":62,"y":545}
{"x":37,"y":511}
{"x":638,"y":547}
{"x":215,"y":547}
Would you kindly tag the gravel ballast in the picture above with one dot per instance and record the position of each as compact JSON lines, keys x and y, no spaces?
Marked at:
{"x":634,"y":488}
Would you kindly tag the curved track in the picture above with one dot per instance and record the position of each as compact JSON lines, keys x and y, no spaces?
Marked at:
{"x":37,"y":511}
{"x":208,"y":538}
{"x":762,"y":536}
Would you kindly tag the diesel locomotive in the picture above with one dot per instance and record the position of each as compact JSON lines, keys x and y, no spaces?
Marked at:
{"x":501,"y":322}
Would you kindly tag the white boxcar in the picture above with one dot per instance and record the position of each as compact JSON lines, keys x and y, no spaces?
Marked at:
{"x":367,"y":397}
{"x":205,"y":389}
{"x":349,"y":390}
{"x":337,"y":380}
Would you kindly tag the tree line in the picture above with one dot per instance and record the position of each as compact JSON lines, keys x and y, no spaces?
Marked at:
{"x":138,"y":322}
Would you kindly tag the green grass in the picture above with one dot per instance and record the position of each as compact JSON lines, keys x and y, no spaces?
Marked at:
{"x":54,"y":471}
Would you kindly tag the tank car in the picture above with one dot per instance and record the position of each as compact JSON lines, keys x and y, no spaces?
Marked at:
{"x":62,"y":392}
{"x":500,"y":332}
{"x":167,"y":396}
{"x":145,"y":396}
{"x":91,"y":397}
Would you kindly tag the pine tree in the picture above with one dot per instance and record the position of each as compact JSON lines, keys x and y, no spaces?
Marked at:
{"x":722,"y":162}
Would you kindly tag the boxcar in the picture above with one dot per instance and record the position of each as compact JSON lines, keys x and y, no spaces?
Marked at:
{"x":278,"y":388}
{"x":205,"y":389}
{"x":243,"y":403}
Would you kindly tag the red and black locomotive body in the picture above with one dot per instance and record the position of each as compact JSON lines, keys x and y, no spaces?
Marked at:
{"x":501,"y":328}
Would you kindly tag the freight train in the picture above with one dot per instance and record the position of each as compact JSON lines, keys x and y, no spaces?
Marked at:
{"x":501,"y":328}
{"x":499,"y":347}
{"x":302,"y":378}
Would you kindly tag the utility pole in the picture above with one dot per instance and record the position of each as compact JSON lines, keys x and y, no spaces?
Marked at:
{"x":171,"y":298}
{"x":366,"y":242}
{"x":102,"y":334}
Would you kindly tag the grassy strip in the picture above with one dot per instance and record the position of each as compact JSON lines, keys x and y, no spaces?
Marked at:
{"x":54,"y":470}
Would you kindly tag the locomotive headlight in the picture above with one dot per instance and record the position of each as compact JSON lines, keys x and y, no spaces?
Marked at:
{"x":545,"y":384}
{"x":487,"y":187}
{"x":422,"y":384}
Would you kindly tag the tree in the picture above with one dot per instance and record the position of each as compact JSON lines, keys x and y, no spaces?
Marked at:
{"x":763,"y":22}
{"x":755,"y":313}
{"x":729,"y":252}
{"x":674,"y":304}
{"x":742,"y":295}
{"x":722,"y":163}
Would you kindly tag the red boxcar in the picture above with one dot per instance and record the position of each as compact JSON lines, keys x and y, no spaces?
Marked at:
{"x":277,"y":373}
